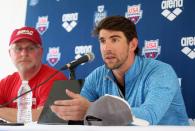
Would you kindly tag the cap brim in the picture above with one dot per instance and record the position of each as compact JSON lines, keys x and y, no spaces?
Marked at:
{"x":139,"y":122}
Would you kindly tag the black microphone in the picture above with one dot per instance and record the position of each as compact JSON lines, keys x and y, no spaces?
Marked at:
{"x":73,"y":64}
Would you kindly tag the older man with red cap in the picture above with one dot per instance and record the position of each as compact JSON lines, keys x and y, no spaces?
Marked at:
{"x":26,"y":54}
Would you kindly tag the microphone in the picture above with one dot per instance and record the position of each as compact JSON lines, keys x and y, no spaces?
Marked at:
{"x":73,"y":64}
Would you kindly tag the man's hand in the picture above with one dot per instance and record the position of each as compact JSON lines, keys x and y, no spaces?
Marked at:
{"x":73,"y":109}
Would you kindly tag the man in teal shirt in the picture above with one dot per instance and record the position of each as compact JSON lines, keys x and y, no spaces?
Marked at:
{"x":149,"y":86}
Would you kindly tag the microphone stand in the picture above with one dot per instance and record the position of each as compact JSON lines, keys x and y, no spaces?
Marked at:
{"x":72,"y":74}
{"x":73,"y":77}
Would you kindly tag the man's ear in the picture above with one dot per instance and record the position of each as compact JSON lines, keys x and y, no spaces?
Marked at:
{"x":133,"y":44}
{"x":41,"y":49}
{"x":9,"y":52}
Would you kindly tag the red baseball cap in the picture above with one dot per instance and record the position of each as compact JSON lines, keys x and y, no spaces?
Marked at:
{"x":29,"y":33}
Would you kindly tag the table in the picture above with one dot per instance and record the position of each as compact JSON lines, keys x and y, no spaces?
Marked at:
{"x":39,"y":127}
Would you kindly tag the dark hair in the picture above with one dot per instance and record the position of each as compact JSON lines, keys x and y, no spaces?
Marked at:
{"x":118,"y":23}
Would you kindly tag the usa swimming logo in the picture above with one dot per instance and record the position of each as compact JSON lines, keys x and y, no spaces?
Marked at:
{"x":42,"y":24}
{"x":99,"y":14}
{"x":134,"y":13}
{"x":188,"y":46}
{"x":151,"y":49}
{"x":171,"y":8}
{"x":53,"y":56}
{"x":69,"y":21}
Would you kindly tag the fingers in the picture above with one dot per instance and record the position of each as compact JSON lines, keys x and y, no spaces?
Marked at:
{"x":72,"y":94}
{"x":73,"y":101}
{"x":64,"y":109}
{"x":73,"y":109}
{"x":67,"y":112}
{"x":66,"y":102}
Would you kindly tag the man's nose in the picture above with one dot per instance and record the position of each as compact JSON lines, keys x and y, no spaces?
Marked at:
{"x":107,"y":46}
{"x":24,"y":51}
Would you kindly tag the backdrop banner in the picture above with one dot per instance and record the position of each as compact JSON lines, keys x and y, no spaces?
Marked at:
{"x":166,"y":30}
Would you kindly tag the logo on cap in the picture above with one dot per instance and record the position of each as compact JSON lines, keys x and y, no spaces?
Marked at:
{"x":24,"y":32}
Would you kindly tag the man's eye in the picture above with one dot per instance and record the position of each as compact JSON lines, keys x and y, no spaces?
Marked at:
{"x":114,"y":40}
{"x":31,"y":48}
{"x":102,"y":41}
{"x":18,"y":48}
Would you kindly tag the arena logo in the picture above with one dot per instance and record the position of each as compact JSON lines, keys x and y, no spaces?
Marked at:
{"x":53,"y":56}
{"x":82,"y":50}
{"x":69,"y":21}
{"x":188,"y":44}
{"x":42,"y":25}
{"x":151,"y":49}
{"x":134,"y":13}
{"x":99,"y":14}
{"x":171,"y":8}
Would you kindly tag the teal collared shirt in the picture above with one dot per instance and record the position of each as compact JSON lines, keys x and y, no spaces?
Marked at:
{"x":151,"y":89}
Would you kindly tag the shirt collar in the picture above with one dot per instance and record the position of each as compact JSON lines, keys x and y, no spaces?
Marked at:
{"x":131,"y":73}
{"x":134,"y":70}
